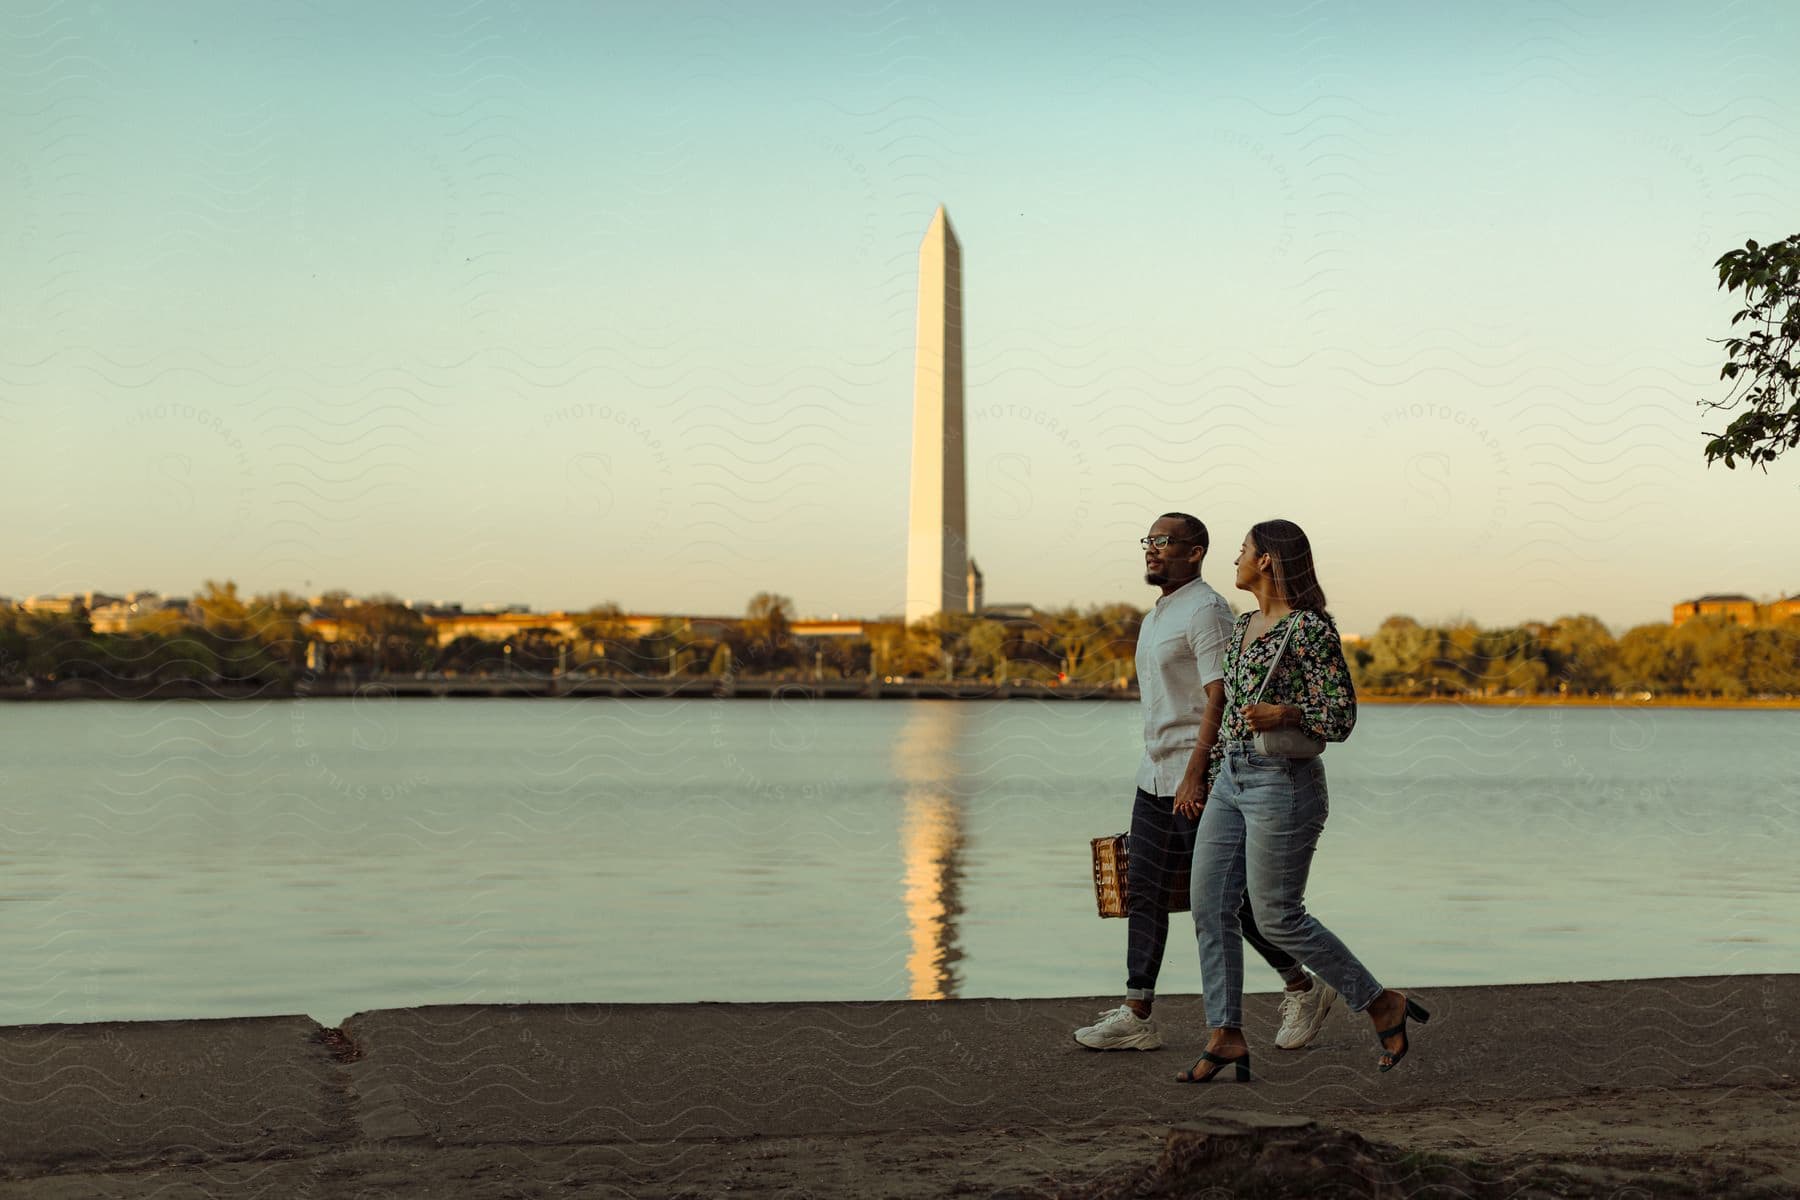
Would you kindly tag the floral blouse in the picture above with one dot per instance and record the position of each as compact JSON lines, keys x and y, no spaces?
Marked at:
{"x":1312,"y":676}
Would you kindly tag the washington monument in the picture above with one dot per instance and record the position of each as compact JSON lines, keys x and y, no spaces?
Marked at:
{"x":937,"y":533}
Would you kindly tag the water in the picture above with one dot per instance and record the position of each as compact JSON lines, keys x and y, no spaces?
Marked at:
{"x":191,"y":860}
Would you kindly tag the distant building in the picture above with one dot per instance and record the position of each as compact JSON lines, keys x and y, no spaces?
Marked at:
{"x":977,"y":592}
{"x":1785,"y":609}
{"x":111,"y":618}
{"x":1734,"y":607}
{"x":107,"y":613}
{"x":58,"y":605}
{"x":118,"y":613}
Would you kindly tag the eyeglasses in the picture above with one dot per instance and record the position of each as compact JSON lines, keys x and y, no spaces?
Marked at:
{"x":1159,"y":541}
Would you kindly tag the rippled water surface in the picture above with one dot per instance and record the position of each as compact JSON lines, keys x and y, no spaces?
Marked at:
{"x":325,"y":856}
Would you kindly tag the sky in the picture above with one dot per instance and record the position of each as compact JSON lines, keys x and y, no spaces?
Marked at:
{"x":558,"y":304}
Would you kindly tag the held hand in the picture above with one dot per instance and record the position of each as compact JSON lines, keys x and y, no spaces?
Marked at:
{"x":1261,"y":717}
{"x":1188,"y":799}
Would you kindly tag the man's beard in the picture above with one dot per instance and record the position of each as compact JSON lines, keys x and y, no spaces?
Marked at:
{"x":1155,"y":578}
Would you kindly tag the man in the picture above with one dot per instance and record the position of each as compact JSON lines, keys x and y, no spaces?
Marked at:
{"x":1180,"y":667}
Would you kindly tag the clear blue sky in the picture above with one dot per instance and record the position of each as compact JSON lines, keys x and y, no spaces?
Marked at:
{"x":559,"y":303}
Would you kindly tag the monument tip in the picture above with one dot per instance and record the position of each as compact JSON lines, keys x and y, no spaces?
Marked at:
{"x":941,"y":219}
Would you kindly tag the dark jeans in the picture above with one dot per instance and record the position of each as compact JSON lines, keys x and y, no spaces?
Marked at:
{"x":1162,"y":842}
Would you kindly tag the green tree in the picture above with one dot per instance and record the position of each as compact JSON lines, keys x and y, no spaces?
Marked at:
{"x":846,"y":657}
{"x":1462,"y":660}
{"x":924,"y":649}
{"x":1402,"y":655}
{"x":1510,"y":662}
{"x":1078,"y":635}
{"x":468,"y":655}
{"x":164,"y":622}
{"x":885,"y":641}
{"x":1034,"y":651}
{"x":536,"y":650}
{"x":606,"y":630}
{"x":59,"y":646}
{"x":1650,"y":660}
{"x":666,"y":650}
{"x":1581,"y":655}
{"x":277,"y":621}
{"x":948,"y":636}
{"x":1714,"y":651}
{"x":186,"y":657}
{"x":768,"y":619}
{"x":1773,"y":654}
{"x":987,"y":649}
{"x":15,"y":642}
{"x":219,"y":608}
{"x":1115,"y":646}
{"x":384,"y":634}
{"x":251,"y":641}
{"x":1763,"y":360}
{"x":121,"y":656}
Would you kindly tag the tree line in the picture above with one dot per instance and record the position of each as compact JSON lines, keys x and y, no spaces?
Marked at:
{"x":1702,"y":657}
{"x":222,"y":637}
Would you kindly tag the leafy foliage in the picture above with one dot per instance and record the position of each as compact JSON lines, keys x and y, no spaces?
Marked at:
{"x":1763,"y":357}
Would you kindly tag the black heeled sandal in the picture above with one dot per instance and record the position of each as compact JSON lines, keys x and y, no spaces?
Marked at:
{"x":1391,"y":1058}
{"x":1220,"y":1062}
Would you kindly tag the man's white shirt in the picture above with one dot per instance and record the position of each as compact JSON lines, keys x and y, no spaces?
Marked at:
{"x":1180,"y":649}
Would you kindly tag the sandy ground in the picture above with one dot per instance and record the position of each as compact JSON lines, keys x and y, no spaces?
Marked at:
{"x":1661,"y":1087}
{"x":1700,"y":1141}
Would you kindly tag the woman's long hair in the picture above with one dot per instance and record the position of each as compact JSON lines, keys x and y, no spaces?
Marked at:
{"x":1291,"y":554}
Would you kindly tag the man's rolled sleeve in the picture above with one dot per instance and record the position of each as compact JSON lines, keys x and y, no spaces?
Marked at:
{"x":1209,"y":633}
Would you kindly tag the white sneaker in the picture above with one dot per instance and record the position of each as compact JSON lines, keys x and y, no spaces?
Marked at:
{"x":1120,"y":1029}
{"x":1303,"y":1014}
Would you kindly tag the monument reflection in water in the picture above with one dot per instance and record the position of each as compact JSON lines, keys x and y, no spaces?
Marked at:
{"x":927,"y":762}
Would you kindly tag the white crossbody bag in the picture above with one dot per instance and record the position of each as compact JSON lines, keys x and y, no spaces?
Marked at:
{"x":1286,"y":742}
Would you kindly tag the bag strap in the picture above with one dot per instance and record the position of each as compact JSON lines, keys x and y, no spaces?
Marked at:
{"x":1276,"y":661}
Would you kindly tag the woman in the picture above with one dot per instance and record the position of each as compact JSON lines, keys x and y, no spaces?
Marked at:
{"x":1263,"y":819}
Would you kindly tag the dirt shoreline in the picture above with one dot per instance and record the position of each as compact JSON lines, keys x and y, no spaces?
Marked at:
{"x":1643,"y":1087}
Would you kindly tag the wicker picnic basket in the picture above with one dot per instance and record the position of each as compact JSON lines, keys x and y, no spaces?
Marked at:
{"x":1112,"y":878}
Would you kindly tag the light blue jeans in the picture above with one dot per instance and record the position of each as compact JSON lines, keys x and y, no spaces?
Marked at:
{"x":1258,"y":833}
